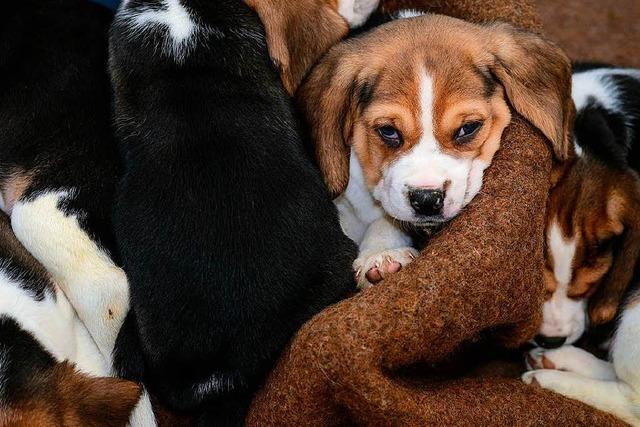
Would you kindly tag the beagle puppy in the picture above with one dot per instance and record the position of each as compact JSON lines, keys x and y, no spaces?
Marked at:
{"x":407,"y":117}
{"x":228,"y":235}
{"x":593,"y":247}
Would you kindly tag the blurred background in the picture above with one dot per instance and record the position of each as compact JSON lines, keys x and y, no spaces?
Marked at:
{"x":595,"y":30}
{"x":589,"y":30}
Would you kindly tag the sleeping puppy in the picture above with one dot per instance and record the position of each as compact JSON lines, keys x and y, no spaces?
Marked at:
{"x":591,"y":221}
{"x":407,"y":117}
{"x":593,"y":246}
{"x":58,"y":169}
{"x":52,"y":371}
{"x":226,"y":230}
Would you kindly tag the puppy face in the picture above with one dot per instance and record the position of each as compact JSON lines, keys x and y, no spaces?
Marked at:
{"x":423,"y":148}
{"x":591,"y":241}
{"x":423,"y":102}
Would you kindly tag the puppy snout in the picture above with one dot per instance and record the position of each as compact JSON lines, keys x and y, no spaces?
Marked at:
{"x":426,"y":202}
{"x":549,"y":342}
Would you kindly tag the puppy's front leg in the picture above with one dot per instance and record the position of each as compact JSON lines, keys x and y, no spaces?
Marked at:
{"x":95,"y":286}
{"x":384,"y":250}
{"x":609,"y":396}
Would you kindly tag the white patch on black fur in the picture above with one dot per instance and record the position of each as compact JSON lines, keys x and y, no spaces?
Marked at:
{"x":408,"y":13}
{"x":182,"y":28}
{"x":608,"y":114}
{"x":97,"y":288}
{"x":216,"y":384}
{"x":598,"y":84}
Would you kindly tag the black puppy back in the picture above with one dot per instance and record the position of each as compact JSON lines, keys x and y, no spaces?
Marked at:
{"x":223,"y":223}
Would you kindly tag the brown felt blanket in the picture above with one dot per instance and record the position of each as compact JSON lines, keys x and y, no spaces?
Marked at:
{"x":379,"y":357}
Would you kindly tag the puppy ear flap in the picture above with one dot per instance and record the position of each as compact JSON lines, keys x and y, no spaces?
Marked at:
{"x":624,"y":217}
{"x":536,"y":75}
{"x":328,"y":102}
{"x":298,"y":33}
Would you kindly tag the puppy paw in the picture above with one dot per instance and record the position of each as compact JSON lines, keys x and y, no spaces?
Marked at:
{"x":571,"y":359}
{"x":373,"y":268}
{"x":550,"y":379}
{"x":531,"y":377}
{"x":537,"y":359}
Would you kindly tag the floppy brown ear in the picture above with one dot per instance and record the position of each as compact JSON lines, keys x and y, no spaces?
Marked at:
{"x":624,"y":214}
{"x":96,"y":401}
{"x":328,"y":102}
{"x":536,"y":75}
{"x":299,"y":32}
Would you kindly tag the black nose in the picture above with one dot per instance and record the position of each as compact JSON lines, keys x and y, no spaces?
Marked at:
{"x":549,"y":342}
{"x":426,"y":202}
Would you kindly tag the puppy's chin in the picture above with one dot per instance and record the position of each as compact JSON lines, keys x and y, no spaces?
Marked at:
{"x":429,"y":222}
{"x":424,"y":227}
{"x":421,"y":232}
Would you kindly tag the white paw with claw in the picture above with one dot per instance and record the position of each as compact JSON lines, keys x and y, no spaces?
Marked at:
{"x":372,"y":268}
{"x":536,"y":377}
{"x":551,"y":379}
{"x":571,"y":359}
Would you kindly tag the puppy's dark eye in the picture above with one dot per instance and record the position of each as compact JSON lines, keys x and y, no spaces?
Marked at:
{"x":390,"y":136}
{"x":604,"y":246}
{"x":467,"y":130}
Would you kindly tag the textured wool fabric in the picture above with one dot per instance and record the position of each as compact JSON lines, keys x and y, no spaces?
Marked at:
{"x":521,"y":13}
{"x":594,"y":30}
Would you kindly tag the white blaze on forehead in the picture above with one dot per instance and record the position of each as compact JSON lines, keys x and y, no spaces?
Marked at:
{"x":562,"y":316}
{"x":426,"y":108}
{"x":562,"y":251}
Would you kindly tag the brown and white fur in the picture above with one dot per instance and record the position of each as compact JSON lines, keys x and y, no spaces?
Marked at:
{"x":52,"y":372}
{"x":593,"y":246}
{"x":388,"y":111}
{"x":293,"y":46}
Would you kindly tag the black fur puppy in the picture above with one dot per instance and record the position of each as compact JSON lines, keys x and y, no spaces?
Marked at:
{"x":224,"y":226}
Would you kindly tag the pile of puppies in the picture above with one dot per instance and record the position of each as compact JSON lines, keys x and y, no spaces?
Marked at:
{"x":183,"y":253}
